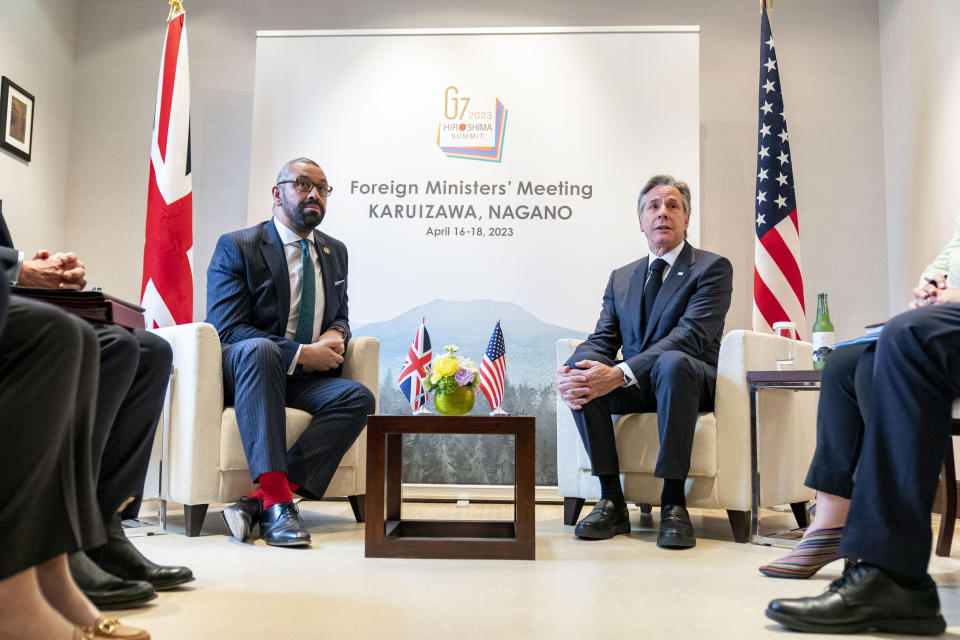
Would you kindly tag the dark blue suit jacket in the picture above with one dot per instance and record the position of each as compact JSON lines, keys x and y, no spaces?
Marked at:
{"x":687,"y":316}
{"x":248,"y":287}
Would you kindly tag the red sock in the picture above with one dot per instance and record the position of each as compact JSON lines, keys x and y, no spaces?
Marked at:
{"x":293,"y":486}
{"x":274,"y":488}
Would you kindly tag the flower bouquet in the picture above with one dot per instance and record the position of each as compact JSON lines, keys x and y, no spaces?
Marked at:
{"x":452,"y":382}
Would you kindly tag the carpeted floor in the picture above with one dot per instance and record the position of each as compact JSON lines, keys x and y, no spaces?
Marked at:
{"x":621,"y":588}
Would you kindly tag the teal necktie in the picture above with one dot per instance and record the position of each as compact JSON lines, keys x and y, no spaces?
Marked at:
{"x":308,"y":289}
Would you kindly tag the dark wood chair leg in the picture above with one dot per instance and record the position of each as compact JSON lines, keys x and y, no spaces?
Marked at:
{"x":948,"y":515}
{"x":571,"y":510}
{"x":740,"y":523}
{"x":193,"y":515}
{"x":800,"y":513}
{"x":645,"y":507}
{"x":358,"y":504}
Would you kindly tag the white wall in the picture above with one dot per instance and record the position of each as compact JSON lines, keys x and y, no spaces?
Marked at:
{"x":829,"y":56}
{"x":920,"y":62}
{"x":37,"y":52}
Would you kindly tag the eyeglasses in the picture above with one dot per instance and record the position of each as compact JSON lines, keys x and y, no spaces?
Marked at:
{"x":303,"y":184}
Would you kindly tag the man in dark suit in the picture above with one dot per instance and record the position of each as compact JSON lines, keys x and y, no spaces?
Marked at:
{"x":916,"y":380}
{"x":666,"y":313}
{"x":277,"y":294}
{"x":134,"y":370}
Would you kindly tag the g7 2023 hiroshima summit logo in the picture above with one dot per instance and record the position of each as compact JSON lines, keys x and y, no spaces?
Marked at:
{"x":468,"y":131}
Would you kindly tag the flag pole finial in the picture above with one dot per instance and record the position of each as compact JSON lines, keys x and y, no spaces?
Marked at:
{"x":176,"y":8}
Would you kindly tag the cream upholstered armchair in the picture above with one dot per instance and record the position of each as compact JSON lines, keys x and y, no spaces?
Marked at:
{"x":720,"y":469}
{"x":205,"y":462}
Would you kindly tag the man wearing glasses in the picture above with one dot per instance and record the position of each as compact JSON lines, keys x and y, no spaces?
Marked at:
{"x":277,"y":294}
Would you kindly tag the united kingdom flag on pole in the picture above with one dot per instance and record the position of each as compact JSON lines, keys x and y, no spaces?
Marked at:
{"x":493,"y":369}
{"x":415,"y":368}
{"x":777,"y":279}
{"x":166,"y":291}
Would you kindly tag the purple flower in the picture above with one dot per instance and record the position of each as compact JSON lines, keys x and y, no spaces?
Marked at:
{"x":463,"y":377}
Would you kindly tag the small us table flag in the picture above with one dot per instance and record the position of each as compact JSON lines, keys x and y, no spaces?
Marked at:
{"x":493,"y":371}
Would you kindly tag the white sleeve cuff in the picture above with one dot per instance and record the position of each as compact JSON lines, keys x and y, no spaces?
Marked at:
{"x":628,"y":374}
{"x":296,"y":358}
{"x":15,"y":274}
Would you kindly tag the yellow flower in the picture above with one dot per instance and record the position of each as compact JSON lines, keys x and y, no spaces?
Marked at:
{"x":435,"y":378}
{"x":445,"y":366}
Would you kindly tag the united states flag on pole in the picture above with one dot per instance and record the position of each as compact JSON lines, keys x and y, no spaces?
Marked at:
{"x":166,"y":291}
{"x":415,"y":368}
{"x":777,"y":280}
{"x":493,"y":369}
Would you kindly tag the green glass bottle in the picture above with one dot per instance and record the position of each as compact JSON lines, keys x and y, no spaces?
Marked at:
{"x":822,"y":333}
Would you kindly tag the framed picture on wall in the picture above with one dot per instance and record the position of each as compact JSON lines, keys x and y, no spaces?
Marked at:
{"x":16,"y":115}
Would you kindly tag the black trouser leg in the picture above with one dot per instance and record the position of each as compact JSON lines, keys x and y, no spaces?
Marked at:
{"x":916,"y":379}
{"x":134,"y":370}
{"x":844,"y":405}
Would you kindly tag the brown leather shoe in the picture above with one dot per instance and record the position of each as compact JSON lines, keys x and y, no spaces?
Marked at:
{"x":110,"y":628}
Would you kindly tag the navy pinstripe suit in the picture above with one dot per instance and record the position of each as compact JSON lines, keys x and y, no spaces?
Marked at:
{"x":248,"y":301}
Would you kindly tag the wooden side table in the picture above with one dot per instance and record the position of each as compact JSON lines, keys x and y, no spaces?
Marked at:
{"x":389,"y":536}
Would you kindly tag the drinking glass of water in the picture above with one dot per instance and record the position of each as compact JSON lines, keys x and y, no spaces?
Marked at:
{"x":786,"y":348}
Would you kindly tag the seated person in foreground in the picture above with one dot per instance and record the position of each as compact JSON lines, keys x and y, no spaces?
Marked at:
{"x":48,"y":502}
{"x":134,"y":371}
{"x":277,"y":294}
{"x":845,"y":401}
{"x":666,"y":312}
{"x":916,"y":379}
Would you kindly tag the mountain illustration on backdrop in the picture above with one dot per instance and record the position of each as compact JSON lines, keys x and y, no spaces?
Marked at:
{"x":531,"y":362}
{"x":530,"y":342}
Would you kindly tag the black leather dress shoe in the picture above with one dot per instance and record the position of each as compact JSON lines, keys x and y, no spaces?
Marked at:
{"x":120,"y":558}
{"x":104,"y":590}
{"x":864,"y":599}
{"x":281,"y":526}
{"x":605,"y":521}
{"x":675,"y":532}
{"x":242,"y":516}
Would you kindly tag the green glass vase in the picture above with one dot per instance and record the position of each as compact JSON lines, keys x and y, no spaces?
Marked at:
{"x":455,"y":403}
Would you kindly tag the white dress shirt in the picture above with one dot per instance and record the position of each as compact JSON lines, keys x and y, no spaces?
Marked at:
{"x":293,"y":252}
{"x":669,"y":258}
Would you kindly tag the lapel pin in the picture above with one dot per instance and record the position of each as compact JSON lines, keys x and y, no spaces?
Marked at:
{"x":326,"y":250}
{"x":679,"y":273}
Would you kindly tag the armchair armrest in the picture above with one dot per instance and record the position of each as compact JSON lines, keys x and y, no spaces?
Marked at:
{"x":786,"y":416}
{"x":361,"y":363}
{"x":196,"y":407}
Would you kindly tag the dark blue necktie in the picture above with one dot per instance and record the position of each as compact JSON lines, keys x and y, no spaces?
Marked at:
{"x":652,"y":288}
{"x":308,"y":290}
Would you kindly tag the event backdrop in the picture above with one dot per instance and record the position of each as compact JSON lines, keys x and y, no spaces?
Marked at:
{"x":479,"y":175}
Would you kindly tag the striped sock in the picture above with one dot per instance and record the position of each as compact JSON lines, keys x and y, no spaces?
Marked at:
{"x":808,"y":557}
